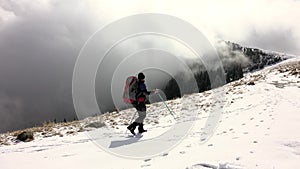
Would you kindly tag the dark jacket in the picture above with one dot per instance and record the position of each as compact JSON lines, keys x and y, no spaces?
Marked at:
{"x":142,"y":91}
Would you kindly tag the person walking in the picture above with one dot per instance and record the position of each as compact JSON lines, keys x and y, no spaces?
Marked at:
{"x":139,"y":104}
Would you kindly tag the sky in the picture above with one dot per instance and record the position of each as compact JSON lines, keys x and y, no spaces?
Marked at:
{"x":40,"y":42}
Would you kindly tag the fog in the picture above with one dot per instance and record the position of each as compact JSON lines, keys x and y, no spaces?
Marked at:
{"x":40,"y":42}
{"x":39,"y":46}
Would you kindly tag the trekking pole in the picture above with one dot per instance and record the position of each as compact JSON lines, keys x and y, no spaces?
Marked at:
{"x":166,"y":106}
{"x":131,"y":120}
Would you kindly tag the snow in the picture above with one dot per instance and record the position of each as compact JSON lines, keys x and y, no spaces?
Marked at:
{"x":259,"y":128}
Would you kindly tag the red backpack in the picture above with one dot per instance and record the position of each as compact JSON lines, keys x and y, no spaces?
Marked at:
{"x":130,"y":90}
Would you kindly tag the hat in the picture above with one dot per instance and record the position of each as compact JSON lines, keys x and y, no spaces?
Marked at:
{"x":141,"y":76}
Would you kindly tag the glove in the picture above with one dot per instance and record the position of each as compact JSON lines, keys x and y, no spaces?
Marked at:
{"x":155,"y":91}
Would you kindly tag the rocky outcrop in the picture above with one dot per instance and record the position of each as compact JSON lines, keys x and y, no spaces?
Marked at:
{"x":25,"y":136}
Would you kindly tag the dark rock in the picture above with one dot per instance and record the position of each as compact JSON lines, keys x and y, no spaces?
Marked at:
{"x":251,"y":83}
{"x":294,"y":73}
{"x":25,"y":136}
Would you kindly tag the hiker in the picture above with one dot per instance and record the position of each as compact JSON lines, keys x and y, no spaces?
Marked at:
{"x":139,"y":104}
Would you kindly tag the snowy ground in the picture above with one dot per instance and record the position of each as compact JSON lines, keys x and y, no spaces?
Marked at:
{"x":259,"y":128}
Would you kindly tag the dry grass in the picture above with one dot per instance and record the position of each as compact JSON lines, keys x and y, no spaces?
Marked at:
{"x":292,"y":67}
{"x":45,"y":130}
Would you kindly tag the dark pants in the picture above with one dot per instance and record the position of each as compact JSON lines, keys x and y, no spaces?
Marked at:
{"x":139,"y":106}
{"x":141,"y":109}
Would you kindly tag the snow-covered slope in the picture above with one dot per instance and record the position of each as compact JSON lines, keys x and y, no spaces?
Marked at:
{"x":259,"y":128}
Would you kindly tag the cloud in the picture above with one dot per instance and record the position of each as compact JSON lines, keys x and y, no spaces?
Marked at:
{"x":12,"y":106}
{"x":39,"y":46}
{"x":230,"y":57}
{"x":40,"y":41}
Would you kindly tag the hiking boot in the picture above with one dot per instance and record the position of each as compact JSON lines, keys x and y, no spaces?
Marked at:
{"x":141,"y":128}
{"x":131,"y":131}
{"x":132,"y":127}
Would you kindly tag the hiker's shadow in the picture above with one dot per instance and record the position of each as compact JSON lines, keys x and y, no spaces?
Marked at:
{"x":119,"y":143}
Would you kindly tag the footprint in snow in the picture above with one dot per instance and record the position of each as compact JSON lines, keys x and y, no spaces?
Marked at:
{"x":145,"y":165}
{"x":146,"y":160}
{"x":164,"y":154}
{"x":203,"y":139}
{"x":39,"y":150}
{"x":68,"y":155}
{"x":203,"y":165}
